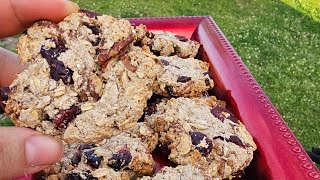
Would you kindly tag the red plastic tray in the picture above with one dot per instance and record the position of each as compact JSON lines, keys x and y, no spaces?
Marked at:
{"x":279,"y":154}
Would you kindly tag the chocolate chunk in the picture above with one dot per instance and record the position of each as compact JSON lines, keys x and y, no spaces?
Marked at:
{"x":237,"y":174}
{"x":149,"y":34}
{"x":222,"y":114}
{"x":4,"y":95}
{"x":183,"y":79}
{"x":85,"y":146}
{"x":219,"y":137}
{"x":89,"y":13}
{"x":170,"y":90}
{"x":181,"y":38}
{"x":76,"y":158}
{"x":64,"y":117}
{"x":165,"y":62}
{"x":96,"y":43}
{"x":236,"y":140}
{"x":104,"y":55}
{"x":201,"y":142}
{"x":73,"y":176}
{"x":92,"y":159}
{"x":57,"y":68}
{"x":120,"y":159}
{"x":95,"y":30}
{"x":207,"y":81}
{"x":152,"y":104}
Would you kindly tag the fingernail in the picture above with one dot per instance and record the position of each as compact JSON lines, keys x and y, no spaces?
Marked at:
{"x":43,"y":150}
{"x":72,"y":7}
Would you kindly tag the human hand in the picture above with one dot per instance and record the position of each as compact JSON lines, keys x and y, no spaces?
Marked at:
{"x":24,"y":151}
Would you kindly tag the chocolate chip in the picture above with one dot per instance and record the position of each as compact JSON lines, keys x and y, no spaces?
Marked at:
{"x":206,"y":94}
{"x":222,"y":114}
{"x":183,"y":79}
{"x":39,"y":176}
{"x":236,"y":140}
{"x":104,"y":55}
{"x":76,"y":158}
{"x":201,"y":142}
{"x":207,"y":81}
{"x":64,"y":117}
{"x":57,"y":68}
{"x":92,"y":159}
{"x":120,"y":159}
{"x":170,"y":90}
{"x":165,"y":62}
{"x":89,"y":13}
{"x":164,"y":147}
{"x":207,"y":73}
{"x":181,"y":38}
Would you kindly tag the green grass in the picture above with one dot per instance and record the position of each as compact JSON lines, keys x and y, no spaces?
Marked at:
{"x":279,"y":44}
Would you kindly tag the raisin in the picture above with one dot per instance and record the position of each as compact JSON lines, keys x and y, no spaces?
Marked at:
{"x":181,"y":38}
{"x":222,"y":113}
{"x":64,"y":117}
{"x":57,"y":68}
{"x":89,"y":13}
{"x":92,"y":159}
{"x":120,"y":159}
{"x":201,"y":142}
{"x":76,"y":158}
{"x":165,"y":62}
{"x":183,"y":79}
{"x":236,"y":140}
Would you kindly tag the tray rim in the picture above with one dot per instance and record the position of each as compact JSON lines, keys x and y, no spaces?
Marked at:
{"x":284,"y":132}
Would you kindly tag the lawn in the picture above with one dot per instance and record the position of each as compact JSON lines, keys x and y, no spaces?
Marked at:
{"x":278,"y":43}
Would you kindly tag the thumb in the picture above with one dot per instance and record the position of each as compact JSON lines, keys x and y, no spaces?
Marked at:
{"x":24,"y":151}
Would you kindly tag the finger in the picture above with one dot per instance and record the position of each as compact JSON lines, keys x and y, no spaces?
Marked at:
{"x":17,"y":15}
{"x":26,"y":151}
{"x":10,"y":67}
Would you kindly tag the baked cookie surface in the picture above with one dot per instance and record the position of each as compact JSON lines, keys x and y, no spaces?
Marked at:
{"x":187,"y":172}
{"x":183,"y":77}
{"x":85,"y":78}
{"x":165,"y":43}
{"x":199,"y":131}
{"x":123,"y":156}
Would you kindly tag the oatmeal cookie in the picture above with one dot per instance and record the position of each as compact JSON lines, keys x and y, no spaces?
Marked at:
{"x":183,"y":77}
{"x":200,"y":131}
{"x":187,"y":172}
{"x":124,"y":156}
{"x":164,"y":43}
{"x":86,"y":81}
